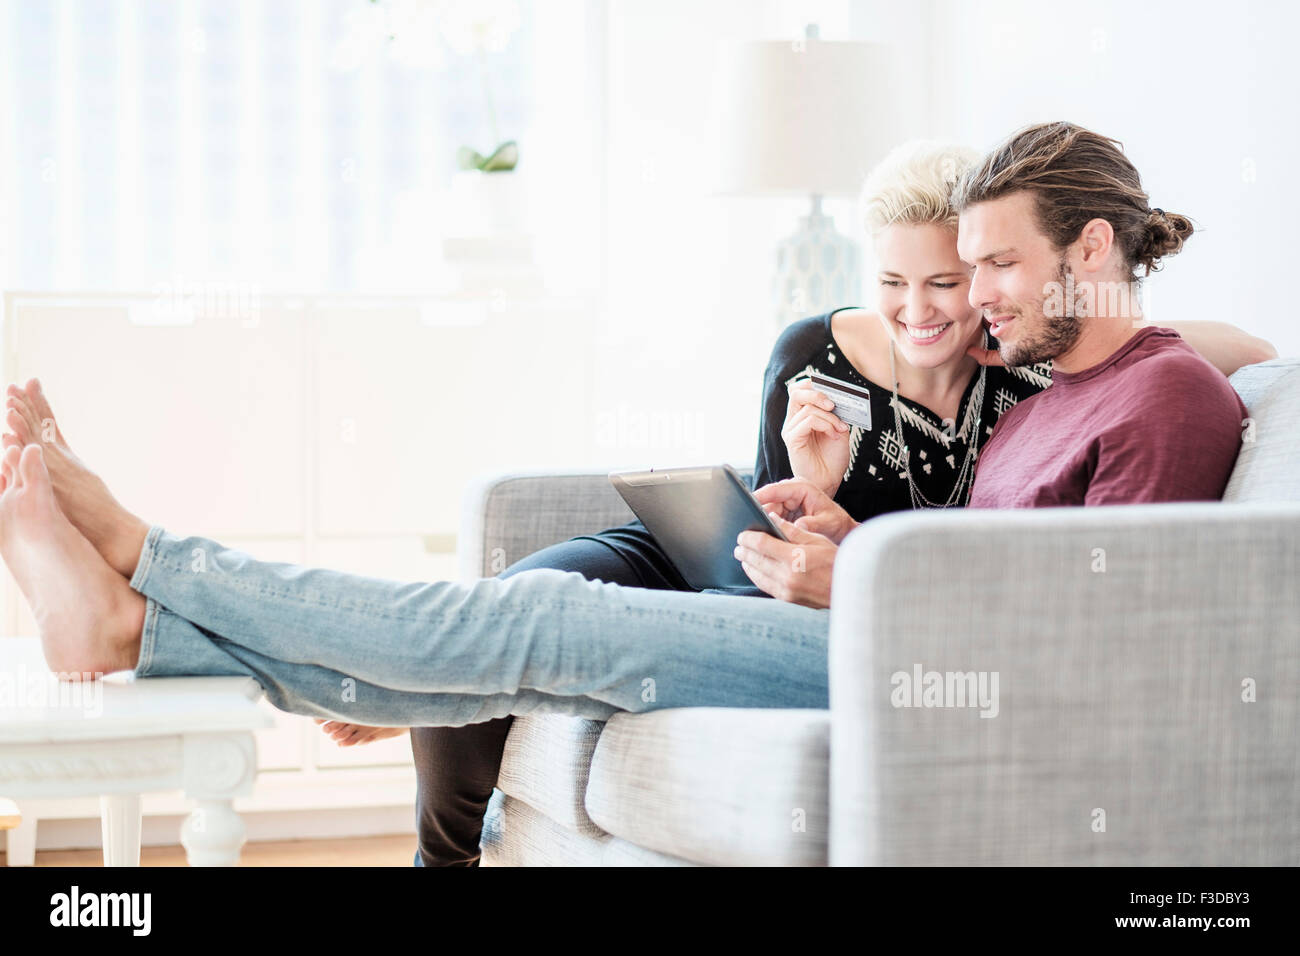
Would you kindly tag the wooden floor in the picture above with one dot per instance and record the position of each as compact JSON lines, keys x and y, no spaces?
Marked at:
{"x":354,"y":851}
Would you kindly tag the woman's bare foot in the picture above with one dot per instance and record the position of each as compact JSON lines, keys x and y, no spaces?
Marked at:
{"x":349,"y":735}
{"x":89,"y":618}
{"x":86,"y":501}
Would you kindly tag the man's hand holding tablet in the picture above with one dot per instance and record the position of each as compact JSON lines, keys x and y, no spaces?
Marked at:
{"x":797,"y":570}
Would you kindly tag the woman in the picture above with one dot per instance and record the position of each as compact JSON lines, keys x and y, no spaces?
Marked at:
{"x":924,"y":344}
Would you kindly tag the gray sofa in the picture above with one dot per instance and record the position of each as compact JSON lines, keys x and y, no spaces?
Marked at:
{"x":1148,"y":662}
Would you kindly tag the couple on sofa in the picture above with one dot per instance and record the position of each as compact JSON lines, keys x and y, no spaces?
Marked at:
{"x":1039,"y":243}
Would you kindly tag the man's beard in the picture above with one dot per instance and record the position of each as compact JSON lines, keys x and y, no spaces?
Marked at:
{"x":1055,"y":335}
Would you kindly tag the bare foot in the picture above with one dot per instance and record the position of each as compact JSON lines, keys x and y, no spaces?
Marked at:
{"x":349,"y":735}
{"x":86,"y":501}
{"x":88,"y":616}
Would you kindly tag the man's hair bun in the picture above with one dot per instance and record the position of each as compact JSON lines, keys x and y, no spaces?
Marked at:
{"x":1163,"y":236}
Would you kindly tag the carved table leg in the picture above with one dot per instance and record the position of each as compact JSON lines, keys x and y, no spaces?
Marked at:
{"x":218,"y":767}
{"x":120,"y":823}
{"x":213,"y":834}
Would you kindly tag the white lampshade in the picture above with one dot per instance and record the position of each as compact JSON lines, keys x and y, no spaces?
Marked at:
{"x":801,"y":117}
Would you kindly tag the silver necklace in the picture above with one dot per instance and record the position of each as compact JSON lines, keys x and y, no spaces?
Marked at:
{"x":967,"y":470}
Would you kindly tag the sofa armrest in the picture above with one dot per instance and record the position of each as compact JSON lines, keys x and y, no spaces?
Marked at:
{"x":1127,"y":643}
{"x":506,"y":517}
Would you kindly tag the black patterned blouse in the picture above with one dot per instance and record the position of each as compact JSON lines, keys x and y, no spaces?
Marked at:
{"x":875,"y":481}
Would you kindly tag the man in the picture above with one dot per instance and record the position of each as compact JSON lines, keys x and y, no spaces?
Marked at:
{"x":1134,"y":416}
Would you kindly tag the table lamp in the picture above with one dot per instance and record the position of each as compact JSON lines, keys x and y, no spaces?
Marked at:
{"x":807,"y":117}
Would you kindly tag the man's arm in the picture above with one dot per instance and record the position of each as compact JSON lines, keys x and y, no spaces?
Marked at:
{"x":1225,"y":346}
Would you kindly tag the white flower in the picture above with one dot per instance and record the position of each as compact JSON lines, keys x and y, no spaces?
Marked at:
{"x":414,"y":28}
{"x":470,"y":26}
{"x":416,"y":33}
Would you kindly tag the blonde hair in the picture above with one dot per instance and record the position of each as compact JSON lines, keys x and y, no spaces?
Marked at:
{"x":912,"y":185}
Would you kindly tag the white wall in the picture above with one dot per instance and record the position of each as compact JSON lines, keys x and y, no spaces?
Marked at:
{"x":689,"y":324}
{"x":1203,"y":96}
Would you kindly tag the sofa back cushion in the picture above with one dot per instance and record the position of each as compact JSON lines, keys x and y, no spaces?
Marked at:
{"x":1268,"y":467}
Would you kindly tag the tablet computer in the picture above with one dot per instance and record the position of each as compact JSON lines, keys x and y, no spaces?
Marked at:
{"x":696,"y":514}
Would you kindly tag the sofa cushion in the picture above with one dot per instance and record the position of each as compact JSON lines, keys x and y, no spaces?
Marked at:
{"x":514,"y":834}
{"x":1268,"y":467}
{"x":716,"y":785}
{"x":546,"y":761}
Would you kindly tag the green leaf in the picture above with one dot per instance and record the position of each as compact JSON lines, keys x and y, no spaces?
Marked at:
{"x":468,"y":158}
{"x":505,"y":157}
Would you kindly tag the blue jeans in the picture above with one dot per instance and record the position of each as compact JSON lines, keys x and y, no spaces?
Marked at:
{"x":365,"y":650}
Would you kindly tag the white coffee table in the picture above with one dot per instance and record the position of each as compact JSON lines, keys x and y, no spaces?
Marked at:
{"x":118,"y":738}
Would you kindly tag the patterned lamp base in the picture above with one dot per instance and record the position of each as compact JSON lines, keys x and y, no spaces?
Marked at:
{"x":817,"y":269}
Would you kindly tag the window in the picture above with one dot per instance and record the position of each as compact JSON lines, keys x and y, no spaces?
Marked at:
{"x":304,"y":145}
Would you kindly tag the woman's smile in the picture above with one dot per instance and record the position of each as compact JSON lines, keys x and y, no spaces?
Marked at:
{"x":925,"y":334}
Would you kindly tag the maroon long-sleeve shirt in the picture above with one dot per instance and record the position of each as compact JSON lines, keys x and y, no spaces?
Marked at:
{"x":1153,"y":422}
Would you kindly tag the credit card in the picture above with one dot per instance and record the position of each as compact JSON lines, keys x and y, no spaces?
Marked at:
{"x":852,"y":403}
